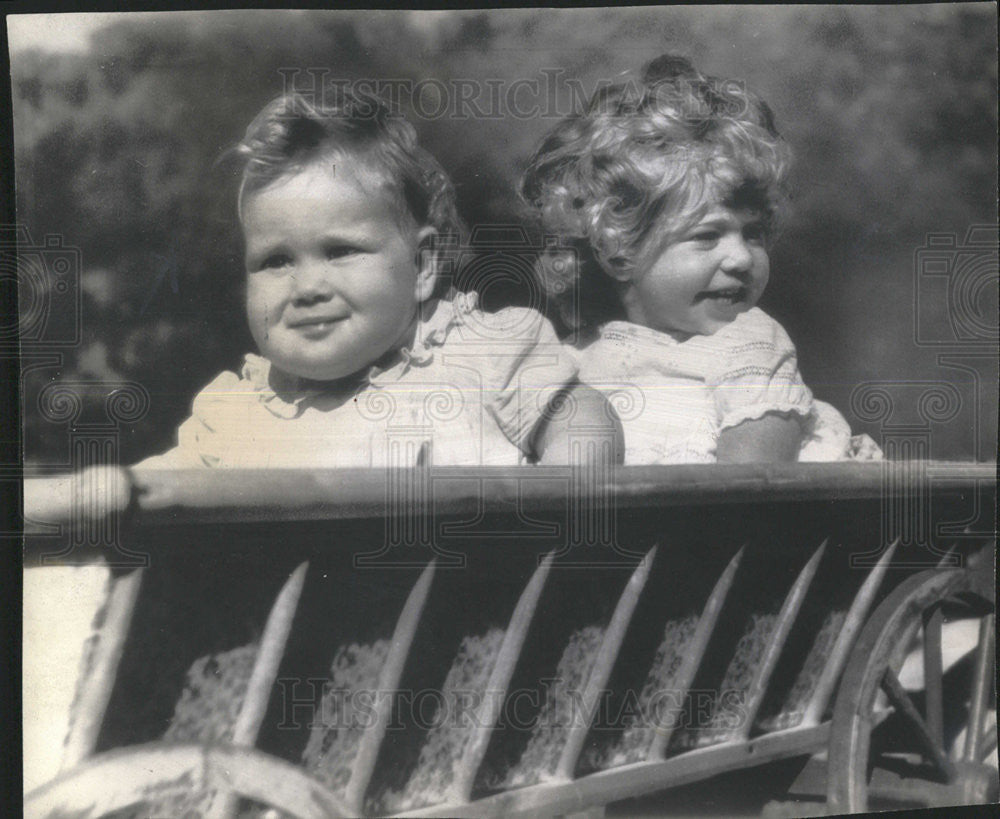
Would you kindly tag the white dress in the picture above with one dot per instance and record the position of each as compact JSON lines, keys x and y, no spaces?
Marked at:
{"x":470,"y":390}
{"x":675,"y":397}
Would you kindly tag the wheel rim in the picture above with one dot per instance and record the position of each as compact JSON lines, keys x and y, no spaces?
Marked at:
{"x":915,"y":608}
{"x":120,"y":779}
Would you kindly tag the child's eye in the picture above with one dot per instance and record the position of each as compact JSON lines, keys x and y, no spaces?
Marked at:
{"x":341,"y":251}
{"x":705,"y":236}
{"x":275,"y":262}
{"x":755,"y":233}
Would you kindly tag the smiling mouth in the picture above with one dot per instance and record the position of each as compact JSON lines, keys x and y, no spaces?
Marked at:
{"x":317,"y":322}
{"x":729,"y":295}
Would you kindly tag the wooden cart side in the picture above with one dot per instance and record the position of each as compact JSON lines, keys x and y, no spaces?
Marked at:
{"x":163,"y":499}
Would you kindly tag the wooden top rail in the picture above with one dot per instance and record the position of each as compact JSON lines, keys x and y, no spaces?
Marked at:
{"x":162,"y":497}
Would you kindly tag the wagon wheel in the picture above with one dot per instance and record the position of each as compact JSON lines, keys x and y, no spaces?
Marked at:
{"x":890,"y":747}
{"x":130,"y":776}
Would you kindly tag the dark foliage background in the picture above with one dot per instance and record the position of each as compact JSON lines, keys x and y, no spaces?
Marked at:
{"x":892,"y":112}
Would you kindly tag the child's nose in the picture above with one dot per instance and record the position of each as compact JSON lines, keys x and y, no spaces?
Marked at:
{"x":312,"y":283}
{"x":737,"y":257}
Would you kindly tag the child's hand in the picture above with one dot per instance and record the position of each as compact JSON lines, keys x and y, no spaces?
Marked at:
{"x":773,"y":438}
{"x":580,"y":427}
{"x":93,"y":493}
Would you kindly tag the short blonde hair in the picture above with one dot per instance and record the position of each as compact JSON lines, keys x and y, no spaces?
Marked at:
{"x":292,"y":131}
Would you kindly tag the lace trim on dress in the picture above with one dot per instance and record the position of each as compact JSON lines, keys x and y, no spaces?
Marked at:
{"x":754,"y":412}
{"x":627,"y":331}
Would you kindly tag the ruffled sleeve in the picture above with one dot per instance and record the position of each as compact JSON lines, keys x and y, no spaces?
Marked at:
{"x":756,"y":372}
{"x":527,"y":367}
{"x":201,"y":439}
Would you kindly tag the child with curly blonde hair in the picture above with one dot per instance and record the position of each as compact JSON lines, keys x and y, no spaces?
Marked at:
{"x":664,"y":195}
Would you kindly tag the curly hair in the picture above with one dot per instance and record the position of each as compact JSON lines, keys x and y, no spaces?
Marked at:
{"x":642,"y":163}
{"x":292,"y":132}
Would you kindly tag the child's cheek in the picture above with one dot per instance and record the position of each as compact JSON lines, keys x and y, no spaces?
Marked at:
{"x":261,"y":309}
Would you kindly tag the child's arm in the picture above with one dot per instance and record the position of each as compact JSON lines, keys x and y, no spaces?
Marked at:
{"x":89,"y":494}
{"x":760,"y":397}
{"x":771,"y":438}
{"x":580,"y":427}
{"x":204,"y":437}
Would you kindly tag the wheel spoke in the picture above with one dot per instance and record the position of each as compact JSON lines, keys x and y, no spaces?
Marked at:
{"x":933,"y":706}
{"x":989,"y":744}
{"x":901,"y":701}
{"x":980,"y":690}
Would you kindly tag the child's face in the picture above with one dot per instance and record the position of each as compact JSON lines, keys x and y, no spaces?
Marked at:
{"x":333,"y":276}
{"x":704,"y":279}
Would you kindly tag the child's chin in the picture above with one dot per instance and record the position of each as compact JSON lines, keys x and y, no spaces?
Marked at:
{"x":721,"y":317}
{"x":700,"y":328}
{"x":310,"y":372}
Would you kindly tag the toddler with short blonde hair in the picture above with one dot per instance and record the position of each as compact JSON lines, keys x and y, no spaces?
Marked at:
{"x":367,"y":358}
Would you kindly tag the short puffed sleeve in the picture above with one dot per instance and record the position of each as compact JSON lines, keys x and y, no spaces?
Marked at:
{"x":526,"y":367}
{"x":201,"y":439}
{"x":756,"y":371}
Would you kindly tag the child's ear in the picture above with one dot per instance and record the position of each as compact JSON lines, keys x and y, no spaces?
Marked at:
{"x":427,"y":268}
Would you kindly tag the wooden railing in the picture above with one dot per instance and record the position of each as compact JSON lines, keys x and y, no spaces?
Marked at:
{"x":753,"y":579}
{"x":162,"y":497}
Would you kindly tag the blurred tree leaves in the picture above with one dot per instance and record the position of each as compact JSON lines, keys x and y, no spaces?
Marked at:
{"x":891,"y":110}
